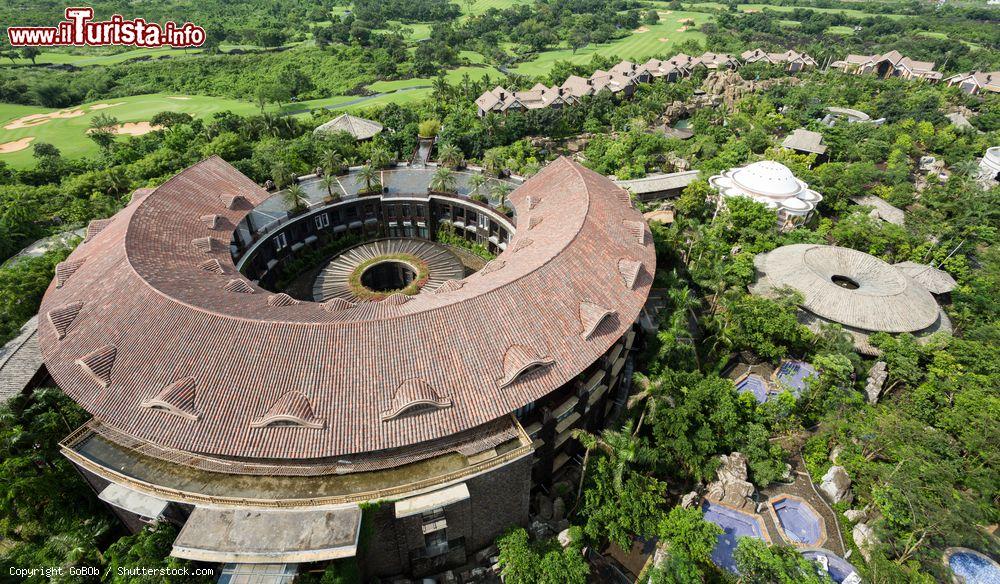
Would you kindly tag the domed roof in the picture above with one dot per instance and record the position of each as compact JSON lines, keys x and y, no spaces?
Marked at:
{"x":849,"y":287}
{"x":768,"y":178}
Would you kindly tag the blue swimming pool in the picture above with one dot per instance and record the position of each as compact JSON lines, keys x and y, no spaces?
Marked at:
{"x":800,"y":523}
{"x":795,"y":376}
{"x":838,"y":568}
{"x":754,"y":384}
{"x":734,"y":524}
{"x":975,"y":567}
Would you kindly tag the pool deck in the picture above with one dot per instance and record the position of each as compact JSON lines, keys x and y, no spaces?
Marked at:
{"x":803,"y":490}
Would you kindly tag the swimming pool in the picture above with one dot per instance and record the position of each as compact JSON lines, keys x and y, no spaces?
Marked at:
{"x":754,"y":384}
{"x":973,"y":566}
{"x":795,"y":376}
{"x":798,"y":520}
{"x":735,"y":524}
{"x":840,"y":571}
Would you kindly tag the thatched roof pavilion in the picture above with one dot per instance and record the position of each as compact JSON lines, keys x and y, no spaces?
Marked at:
{"x":856,"y":290}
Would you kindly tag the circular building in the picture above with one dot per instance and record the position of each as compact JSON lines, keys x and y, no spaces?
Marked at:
{"x":263,"y":423}
{"x":989,"y":167}
{"x":772,"y":184}
{"x":856,"y":290}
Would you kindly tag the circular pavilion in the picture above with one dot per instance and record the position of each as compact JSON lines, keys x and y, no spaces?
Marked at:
{"x":856,"y":290}
{"x":773,"y":184}
{"x":263,"y":423}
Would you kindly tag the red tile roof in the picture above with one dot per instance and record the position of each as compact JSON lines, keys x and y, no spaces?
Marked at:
{"x":156,"y":313}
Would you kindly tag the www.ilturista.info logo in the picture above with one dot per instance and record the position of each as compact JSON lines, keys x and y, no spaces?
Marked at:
{"x":79,"y":30}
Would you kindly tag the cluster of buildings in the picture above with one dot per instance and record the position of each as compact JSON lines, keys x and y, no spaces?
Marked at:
{"x":623,"y":78}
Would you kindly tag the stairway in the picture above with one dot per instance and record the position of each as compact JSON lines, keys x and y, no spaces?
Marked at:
{"x":332,"y":281}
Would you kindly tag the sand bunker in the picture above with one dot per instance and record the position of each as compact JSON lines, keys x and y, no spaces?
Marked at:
{"x":641,"y":29}
{"x":665,"y":12}
{"x":100,"y":106}
{"x":177,"y":97}
{"x":136,"y":128}
{"x":682,"y":29}
{"x":8,"y":147}
{"x":663,"y":40}
{"x":39,"y":119}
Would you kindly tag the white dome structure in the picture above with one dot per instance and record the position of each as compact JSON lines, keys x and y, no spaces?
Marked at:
{"x":773,"y":184}
{"x":989,"y":167}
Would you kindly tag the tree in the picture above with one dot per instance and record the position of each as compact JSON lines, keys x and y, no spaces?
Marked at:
{"x":767,"y":327}
{"x":281,"y":174}
{"x":451,"y":156}
{"x":524,"y":562}
{"x":150,"y":548}
{"x":443,"y":181}
{"x":477,"y":182}
{"x":332,"y":161}
{"x":759,"y":563}
{"x":329,"y":182}
{"x":621,"y":512}
{"x":371,"y":178}
{"x":688,"y":533}
{"x":31,"y":53}
{"x":499,"y":191}
{"x":294,"y":197}
{"x":103,"y":129}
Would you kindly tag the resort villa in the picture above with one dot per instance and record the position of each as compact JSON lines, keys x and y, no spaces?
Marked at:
{"x":891,"y":64}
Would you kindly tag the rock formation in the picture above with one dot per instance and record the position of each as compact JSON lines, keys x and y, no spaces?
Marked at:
{"x":836,"y":485}
{"x":731,"y":486}
{"x":876,"y":381}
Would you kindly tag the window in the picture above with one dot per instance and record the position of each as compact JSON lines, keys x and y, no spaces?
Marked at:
{"x":406,"y":211}
{"x":436,"y":542}
{"x":322,"y":220}
{"x":484,"y":222}
{"x":280,"y":242}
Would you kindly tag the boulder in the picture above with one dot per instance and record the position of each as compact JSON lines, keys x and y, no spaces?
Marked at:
{"x":558,"y":509}
{"x":836,"y":485}
{"x":564,"y":538}
{"x":690,"y":500}
{"x":865,"y":539}
{"x":731,"y":486}
{"x":855,"y":515}
{"x":544,"y":507}
{"x":876,"y":381}
{"x":539,"y":530}
{"x":835,"y":453}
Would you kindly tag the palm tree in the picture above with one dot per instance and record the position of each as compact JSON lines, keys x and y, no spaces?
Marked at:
{"x":328,"y":182}
{"x":379,"y":157}
{"x":333,"y":162}
{"x":281,"y":174}
{"x":622,"y":447}
{"x":477,"y":182}
{"x":370,"y":176}
{"x":451,"y":156}
{"x":294,"y":197}
{"x":500,"y":190}
{"x":651,"y":392}
{"x":492,"y":162}
{"x":443,"y":181}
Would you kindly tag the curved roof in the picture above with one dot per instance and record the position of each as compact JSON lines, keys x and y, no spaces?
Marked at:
{"x":156,"y":310}
{"x":885,"y":299}
{"x":934,"y":280}
{"x":360,"y":128}
{"x":768,"y":178}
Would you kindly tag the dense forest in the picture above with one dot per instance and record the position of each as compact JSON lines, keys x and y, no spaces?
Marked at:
{"x":924,"y":460}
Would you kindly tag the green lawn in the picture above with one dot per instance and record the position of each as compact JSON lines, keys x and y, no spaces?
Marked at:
{"x":69,"y":134}
{"x":657,"y":40}
{"x":841,"y":30}
{"x":481,"y":6}
{"x":452,"y":76}
{"x":745,"y":7}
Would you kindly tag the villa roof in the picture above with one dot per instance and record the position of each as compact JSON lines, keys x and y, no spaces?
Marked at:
{"x":804,"y":140}
{"x":360,"y":128}
{"x":986,"y":80}
{"x":659,"y":182}
{"x":20,"y":361}
{"x":885,"y":299}
{"x":151,"y":316}
{"x":936,"y":281}
{"x":886,"y":212}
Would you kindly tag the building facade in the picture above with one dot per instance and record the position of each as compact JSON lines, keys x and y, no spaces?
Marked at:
{"x":407,"y":433}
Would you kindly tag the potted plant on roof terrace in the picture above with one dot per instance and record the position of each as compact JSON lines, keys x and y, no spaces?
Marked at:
{"x":329,"y":182}
{"x":372,"y":179}
{"x":443,"y":181}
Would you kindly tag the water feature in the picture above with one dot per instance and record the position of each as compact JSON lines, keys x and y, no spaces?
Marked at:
{"x":972,"y":566}
{"x":423,"y":153}
{"x":839,"y":569}
{"x":798,"y":520}
{"x":735,"y":524}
